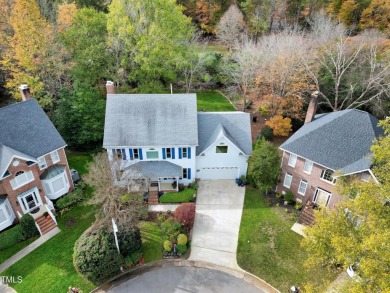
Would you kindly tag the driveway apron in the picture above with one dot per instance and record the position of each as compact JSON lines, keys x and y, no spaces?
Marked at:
{"x":217,"y":223}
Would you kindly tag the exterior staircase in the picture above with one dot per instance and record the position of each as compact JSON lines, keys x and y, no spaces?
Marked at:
{"x":153,"y":197}
{"x":307,"y":216}
{"x":45,"y":224}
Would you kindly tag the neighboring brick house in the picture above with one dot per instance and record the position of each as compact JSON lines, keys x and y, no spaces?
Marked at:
{"x":33,"y":165}
{"x":328,"y":146}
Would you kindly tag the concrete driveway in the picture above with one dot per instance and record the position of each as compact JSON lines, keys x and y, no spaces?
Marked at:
{"x":219,"y":206}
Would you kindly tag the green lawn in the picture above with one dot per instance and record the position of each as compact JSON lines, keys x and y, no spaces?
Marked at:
{"x":10,"y":251}
{"x":151,"y":241}
{"x":213,"y":101}
{"x":79,"y":161}
{"x":50,"y":268}
{"x":178,"y":197}
{"x":269,"y":249}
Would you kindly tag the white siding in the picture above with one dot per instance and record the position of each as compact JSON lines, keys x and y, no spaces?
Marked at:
{"x":230,"y":165}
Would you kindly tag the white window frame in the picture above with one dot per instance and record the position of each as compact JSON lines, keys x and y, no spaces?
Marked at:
{"x":299,"y":187}
{"x":184,"y":151}
{"x":40,"y":161}
{"x":186,"y":173}
{"x":224,"y":146}
{"x":315,"y":198}
{"x":292,"y":160}
{"x":55,"y":154}
{"x":322,"y":177}
{"x":168,"y":153}
{"x":36,"y":198}
{"x":308,"y":163}
{"x":135,"y":154}
{"x":152,"y":151}
{"x":285,"y":180}
{"x":22,"y":179}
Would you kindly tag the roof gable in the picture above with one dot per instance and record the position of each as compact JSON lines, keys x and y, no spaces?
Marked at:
{"x":25,"y":127}
{"x":7,"y":154}
{"x":150,"y":120}
{"x":235,"y":126}
{"x":337,"y":140}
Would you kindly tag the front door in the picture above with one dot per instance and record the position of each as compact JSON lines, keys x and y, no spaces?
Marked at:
{"x":29,"y":200}
{"x":321,"y":198}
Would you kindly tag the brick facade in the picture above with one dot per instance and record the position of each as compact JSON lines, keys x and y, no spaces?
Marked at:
{"x":6,"y":188}
{"x":313,"y":180}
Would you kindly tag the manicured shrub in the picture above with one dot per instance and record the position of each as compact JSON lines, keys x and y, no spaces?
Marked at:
{"x":133,"y":259}
{"x":27,"y":224}
{"x":185,"y":214}
{"x":168,"y":245}
{"x":280,"y":126}
{"x":298,"y":205}
{"x":11,"y":237}
{"x":181,"y":239}
{"x":72,"y":198}
{"x":181,"y":248}
{"x":96,"y":256}
{"x":194,"y":185}
{"x":171,"y":228}
{"x":289,"y":196}
{"x":267,"y":133}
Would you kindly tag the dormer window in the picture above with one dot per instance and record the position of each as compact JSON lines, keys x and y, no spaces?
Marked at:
{"x":42,"y":162}
{"x":327,"y":175}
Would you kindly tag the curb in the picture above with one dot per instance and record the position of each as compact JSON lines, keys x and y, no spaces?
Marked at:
{"x":241,"y":274}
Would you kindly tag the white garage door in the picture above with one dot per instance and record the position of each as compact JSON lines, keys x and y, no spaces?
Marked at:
{"x":215,"y":173}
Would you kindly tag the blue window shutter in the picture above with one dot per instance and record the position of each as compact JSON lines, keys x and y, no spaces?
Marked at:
{"x":140,"y":154}
{"x":189,"y":173}
{"x":164,"y":155}
{"x":173,"y":153}
{"x":131,"y":154}
{"x":124,"y":154}
{"x":180,"y":153}
{"x":189,"y":153}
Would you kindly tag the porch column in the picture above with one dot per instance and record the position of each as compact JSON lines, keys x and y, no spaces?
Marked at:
{"x":177,"y":185}
{"x":158,"y":182}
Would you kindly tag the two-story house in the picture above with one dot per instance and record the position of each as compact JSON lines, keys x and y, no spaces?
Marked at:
{"x":158,"y":139}
{"x":328,"y":146}
{"x":33,"y":165}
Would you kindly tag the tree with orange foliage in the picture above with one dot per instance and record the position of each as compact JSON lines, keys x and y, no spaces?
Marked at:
{"x":66,"y":14}
{"x":377,"y":15}
{"x":205,"y":14}
{"x":280,"y":126}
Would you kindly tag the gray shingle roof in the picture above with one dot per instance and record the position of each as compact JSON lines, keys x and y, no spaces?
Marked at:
{"x":25,"y":128}
{"x":234,"y":125}
{"x":150,"y":120}
{"x":338,"y":140}
{"x":153,"y":169}
{"x":52,"y":171}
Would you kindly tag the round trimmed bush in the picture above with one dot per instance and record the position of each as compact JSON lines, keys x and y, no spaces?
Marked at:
{"x":181,"y":239}
{"x":267,"y":133}
{"x":167,"y":245}
{"x":181,"y":249}
{"x":96,"y":256}
{"x":27,"y":224}
{"x":185,"y":214}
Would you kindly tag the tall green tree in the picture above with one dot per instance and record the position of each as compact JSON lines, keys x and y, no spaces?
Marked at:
{"x":259,"y":15}
{"x":264,"y":165}
{"x":148,"y":40}
{"x":357,"y":231}
{"x":79,"y":116}
{"x":86,"y":40}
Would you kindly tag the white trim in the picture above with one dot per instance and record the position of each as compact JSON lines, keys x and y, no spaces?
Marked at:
{"x":311,"y":168}
{"x":146,"y":155}
{"x":39,"y":164}
{"x":299,"y":187}
{"x":58,"y":157}
{"x":293,"y":158}
{"x":315,"y":198}
{"x":333,"y":182}
{"x":281,"y":163}
{"x":37,"y":200}
{"x":217,"y":140}
{"x":360,"y":171}
{"x":12,"y":158}
{"x":284,"y":181}
{"x":29,"y":178}
{"x":48,"y":186}
{"x":306,"y":159}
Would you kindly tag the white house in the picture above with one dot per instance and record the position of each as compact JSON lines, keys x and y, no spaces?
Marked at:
{"x":158,"y":139}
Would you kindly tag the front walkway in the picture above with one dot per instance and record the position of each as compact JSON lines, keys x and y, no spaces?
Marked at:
{"x":162,"y":207}
{"x":18,"y":256}
{"x":217,"y":223}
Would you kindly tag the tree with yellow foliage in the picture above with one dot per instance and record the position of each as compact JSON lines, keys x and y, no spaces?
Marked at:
{"x":279,"y":125}
{"x":377,"y":15}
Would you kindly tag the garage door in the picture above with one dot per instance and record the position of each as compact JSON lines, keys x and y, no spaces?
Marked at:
{"x":215,"y":173}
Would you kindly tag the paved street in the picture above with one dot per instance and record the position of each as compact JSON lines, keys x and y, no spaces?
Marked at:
{"x":217,"y":222}
{"x":185,"y":279}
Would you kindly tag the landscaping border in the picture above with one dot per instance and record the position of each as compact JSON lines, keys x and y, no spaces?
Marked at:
{"x":241,"y":274}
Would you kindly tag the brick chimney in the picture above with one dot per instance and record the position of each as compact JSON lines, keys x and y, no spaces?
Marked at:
{"x":110,"y":87}
{"x":25,"y":92}
{"x":312,"y":109}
